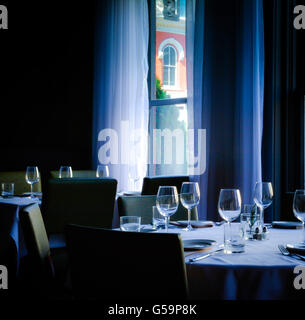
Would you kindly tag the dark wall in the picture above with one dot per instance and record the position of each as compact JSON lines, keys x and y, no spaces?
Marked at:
{"x":46,"y":85}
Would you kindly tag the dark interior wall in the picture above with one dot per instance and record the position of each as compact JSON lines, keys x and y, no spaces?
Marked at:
{"x":46,"y":84}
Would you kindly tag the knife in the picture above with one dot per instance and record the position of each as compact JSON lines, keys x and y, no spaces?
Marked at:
{"x":206,"y":255}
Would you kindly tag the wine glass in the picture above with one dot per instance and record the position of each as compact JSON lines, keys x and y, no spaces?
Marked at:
{"x":229,"y":208}
{"x":189,"y":196}
{"x":167,"y":202}
{"x":263,"y":195}
{"x":102,"y":171}
{"x":134,"y":176}
{"x":65,"y":172}
{"x":299,"y":209}
{"x":32,"y":177}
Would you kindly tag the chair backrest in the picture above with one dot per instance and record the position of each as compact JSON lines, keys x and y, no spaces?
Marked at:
{"x":142,"y":206}
{"x":112,"y":264}
{"x":18,"y":178}
{"x":76,"y":174}
{"x":37,"y":271}
{"x":151,"y":184}
{"x":88,"y":202}
{"x":34,"y":232}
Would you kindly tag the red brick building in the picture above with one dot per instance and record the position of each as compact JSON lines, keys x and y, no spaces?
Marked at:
{"x":170,"y":55}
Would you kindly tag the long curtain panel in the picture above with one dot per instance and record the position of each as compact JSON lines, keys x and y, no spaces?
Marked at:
{"x":120,"y":118}
{"x":227,"y":88}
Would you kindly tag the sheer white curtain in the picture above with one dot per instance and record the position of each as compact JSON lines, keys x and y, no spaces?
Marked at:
{"x":120,"y":90}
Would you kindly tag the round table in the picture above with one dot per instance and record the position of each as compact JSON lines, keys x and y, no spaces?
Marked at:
{"x":261,"y":272}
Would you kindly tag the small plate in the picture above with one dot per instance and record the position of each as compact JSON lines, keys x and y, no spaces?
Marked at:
{"x":132,"y":193}
{"x":296,"y":248}
{"x":194,"y":223}
{"x":287,"y":225}
{"x":198,"y":244}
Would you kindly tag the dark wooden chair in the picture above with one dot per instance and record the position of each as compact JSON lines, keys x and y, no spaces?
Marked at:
{"x":114,"y":265}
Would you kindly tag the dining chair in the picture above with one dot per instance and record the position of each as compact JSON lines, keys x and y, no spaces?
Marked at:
{"x":142,"y":206}
{"x":109,"y":264}
{"x":151,"y":184}
{"x":76,"y":174}
{"x":18,"y":178}
{"x":88,"y":202}
{"x":42,"y":269}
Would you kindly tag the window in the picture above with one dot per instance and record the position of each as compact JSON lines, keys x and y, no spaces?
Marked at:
{"x":169,"y":66}
{"x":168,"y":122}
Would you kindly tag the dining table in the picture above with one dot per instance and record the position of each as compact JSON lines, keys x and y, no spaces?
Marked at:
{"x":261,"y":272}
{"x":10,"y":228}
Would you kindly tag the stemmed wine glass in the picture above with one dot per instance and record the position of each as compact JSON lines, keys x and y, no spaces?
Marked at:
{"x":32,"y":177}
{"x":299,"y":210}
{"x":189,"y":196}
{"x":65,"y":172}
{"x":263,"y":195}
{"x":134,"y":176}
{"x":167,"y":202}
{"x":102,"y":171}
{"x":229,"y":208}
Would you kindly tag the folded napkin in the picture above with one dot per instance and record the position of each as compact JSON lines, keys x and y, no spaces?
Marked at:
{"x":194,"y":223}
{"x":287,"y":225}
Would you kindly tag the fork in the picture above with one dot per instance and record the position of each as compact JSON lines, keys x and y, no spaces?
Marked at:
{"x":285,"y":252}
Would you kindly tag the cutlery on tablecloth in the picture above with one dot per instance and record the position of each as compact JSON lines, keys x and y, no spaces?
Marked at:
{"x":221,"y":248}
{"x":218,"y":224}
{"x":285,"y":252}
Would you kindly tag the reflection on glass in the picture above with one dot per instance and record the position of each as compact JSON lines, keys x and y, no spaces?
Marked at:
{"x":168,"y":140}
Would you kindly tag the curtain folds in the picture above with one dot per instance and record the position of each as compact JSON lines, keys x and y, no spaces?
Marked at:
{"x":120,"y":118}
{"x":228,"y":90}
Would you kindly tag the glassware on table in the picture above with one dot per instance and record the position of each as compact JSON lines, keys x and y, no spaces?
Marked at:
{"x":102,"y":171}
{"x":167,"y":202}
{"x":263,"y":196}
{"x":7,"y":189}
{"x":250,"y":220}
{"x":299,"y":211}
{"x":189,"y":196}
{"x":134,"y":176}
{"x":32,"y":177}
{"x":229,"y":208}
{"x":234,"y":241}
{"x":130,"y":223}
{"x":157,"y":219}
{"x":65,"y":172}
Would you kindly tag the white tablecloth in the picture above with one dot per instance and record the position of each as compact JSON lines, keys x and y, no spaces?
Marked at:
{"x":261,"y":272}
{"x":20,"y":201}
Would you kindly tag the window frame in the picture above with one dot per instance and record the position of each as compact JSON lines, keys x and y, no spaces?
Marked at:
{"x":152,"y":68}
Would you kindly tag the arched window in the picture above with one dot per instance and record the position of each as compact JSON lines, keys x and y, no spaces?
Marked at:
{"x":169,"y":66}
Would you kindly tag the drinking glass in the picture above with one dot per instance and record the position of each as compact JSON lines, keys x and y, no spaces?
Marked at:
{"x":7,"y":189}
{"x":32,"y":177}
{"x":65,"y":172}
{"x":189,"y":196}
{"x":263,"y":195}
{"x":299,"y":209}
{"x":102,"y":171}
{"x":157,"y":219}
{"x":249,"y":220}
{"x":229,"y":207}
{"x":130,"y":223}
{"x":167,"y":202}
